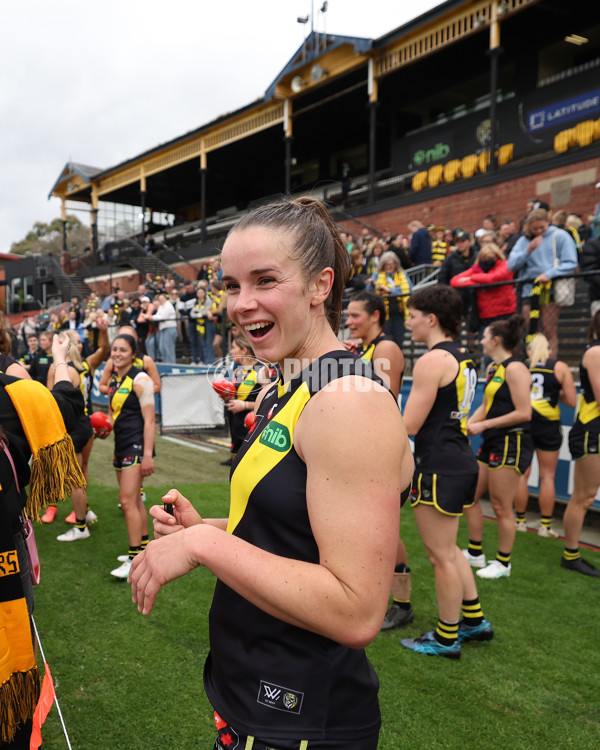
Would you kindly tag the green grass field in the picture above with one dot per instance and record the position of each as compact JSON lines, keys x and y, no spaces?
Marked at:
{"x":133,"y":682}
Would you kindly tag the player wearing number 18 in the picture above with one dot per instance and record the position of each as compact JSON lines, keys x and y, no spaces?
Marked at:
{"x":444,"y":383}
{"x":507,"y":449}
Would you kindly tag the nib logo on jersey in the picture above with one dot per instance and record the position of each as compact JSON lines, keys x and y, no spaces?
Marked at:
{"x":276,"y":436}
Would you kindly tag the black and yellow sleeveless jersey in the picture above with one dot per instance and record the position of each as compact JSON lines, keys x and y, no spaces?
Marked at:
{"x":545,"y":390}
{"x":439,"y":250}
{"x":138,"y":362}
{"x":85,"y":384}
{"x":126,"y":411}
{"x":246,"y":383}
{"x":442,"y":445}
{"x":366,"y":352}
{"x":498,"y":400}
{"x":6,"y":362}
{"x":270,"y":677}
{"x":588,"y":411}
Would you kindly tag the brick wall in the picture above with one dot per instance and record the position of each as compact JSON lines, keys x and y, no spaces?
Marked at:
{"x":573,"y":186}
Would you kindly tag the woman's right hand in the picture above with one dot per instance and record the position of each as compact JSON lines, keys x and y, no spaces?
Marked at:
{"x":535,"y":243}
{"x":184,"y":515}
{"x":60,"y":347}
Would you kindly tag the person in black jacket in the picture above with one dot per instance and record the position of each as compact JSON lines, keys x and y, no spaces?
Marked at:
{"x":589,"y":260}
{"x":460,"y":260}
{"x":420,"y":243}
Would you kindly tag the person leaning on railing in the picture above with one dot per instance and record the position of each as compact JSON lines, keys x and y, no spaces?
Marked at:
{"x":534,"y":256}
{"x":493,"y":302}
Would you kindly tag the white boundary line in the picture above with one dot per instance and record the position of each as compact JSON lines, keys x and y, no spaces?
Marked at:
{"x":188,"y":445}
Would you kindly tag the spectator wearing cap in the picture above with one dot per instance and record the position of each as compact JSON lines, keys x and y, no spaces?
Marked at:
{"x":420,"y":243}
{"x":460,"y":260}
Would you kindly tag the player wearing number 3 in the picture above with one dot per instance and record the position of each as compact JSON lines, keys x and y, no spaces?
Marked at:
{"x":444,"y":383}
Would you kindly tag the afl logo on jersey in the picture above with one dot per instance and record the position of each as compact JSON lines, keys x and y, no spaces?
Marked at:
{"x":271,"y":410}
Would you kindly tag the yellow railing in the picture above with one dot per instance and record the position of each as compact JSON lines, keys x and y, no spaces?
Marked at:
{"x":451,"y":28}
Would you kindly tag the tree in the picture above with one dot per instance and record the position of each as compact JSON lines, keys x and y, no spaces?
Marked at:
{"x":48,"y":238}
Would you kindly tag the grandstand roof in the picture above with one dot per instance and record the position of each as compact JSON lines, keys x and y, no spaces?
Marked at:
{"x":73,"y":169}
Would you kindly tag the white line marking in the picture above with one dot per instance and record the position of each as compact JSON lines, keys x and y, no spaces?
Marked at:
{"x":189,"y":445}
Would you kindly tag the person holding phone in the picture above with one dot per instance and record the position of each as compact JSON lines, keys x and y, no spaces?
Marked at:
{"x":305,"y":559}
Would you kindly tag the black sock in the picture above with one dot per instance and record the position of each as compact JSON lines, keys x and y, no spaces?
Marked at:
{"x":446,"y":633}
{"x":472,"y":612}
{"x":475,"y":548}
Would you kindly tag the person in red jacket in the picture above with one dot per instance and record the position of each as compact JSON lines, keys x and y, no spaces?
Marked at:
{"x":495,"y":302}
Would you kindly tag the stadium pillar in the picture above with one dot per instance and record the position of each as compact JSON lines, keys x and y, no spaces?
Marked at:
{"x":203,"y":196}
{"x":287,"y":128}
{"x":63,"y":216}
{"x":372,"y":90}
{"x":494,"y":53}
{"x":288,"y":164}
{"x":94,"y":219}
{"x":94,"y":228}
{"x":143,"y":212}
{"x":372,"y":148}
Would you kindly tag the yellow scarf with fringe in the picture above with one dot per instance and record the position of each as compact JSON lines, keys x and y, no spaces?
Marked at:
{"x":54,"y":473}
{"x":394,"y":305}
{"x":54,"y":469}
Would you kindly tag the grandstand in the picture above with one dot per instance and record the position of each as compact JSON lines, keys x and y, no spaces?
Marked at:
{"x":469,"y":109}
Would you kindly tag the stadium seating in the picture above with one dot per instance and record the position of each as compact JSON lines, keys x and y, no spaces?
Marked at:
{"x":469,"y":165}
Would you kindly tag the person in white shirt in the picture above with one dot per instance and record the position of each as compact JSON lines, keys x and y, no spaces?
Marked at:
{"x":166,"y":316}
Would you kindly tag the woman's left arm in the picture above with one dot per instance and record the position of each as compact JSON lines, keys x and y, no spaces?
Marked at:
{"x":144,"y":390}
{"x":344,"y":595}
{"x":500,"y":272}
{"x":518,"y":379}
{"x":566,"y":253}
{"x":568,"y":391}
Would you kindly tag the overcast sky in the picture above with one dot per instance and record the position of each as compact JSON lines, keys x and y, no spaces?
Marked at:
{"x":97,"y":83}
